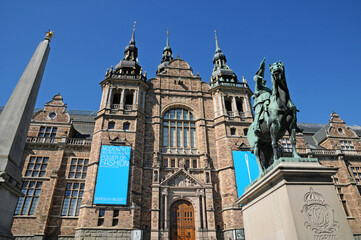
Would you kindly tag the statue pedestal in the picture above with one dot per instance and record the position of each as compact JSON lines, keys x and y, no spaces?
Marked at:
{"x":294,"y":200}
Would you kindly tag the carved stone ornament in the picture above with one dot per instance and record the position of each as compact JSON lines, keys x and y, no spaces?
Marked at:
{"x":181,"y":181}
{"x":319,"y":216}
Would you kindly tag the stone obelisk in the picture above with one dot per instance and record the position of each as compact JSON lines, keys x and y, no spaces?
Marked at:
{"x":14,"y":124}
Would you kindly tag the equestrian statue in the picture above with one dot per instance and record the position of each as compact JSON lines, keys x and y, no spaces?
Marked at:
{"x":275,"y":114}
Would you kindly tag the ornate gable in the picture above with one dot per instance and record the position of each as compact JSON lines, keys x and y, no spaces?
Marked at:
{"x":181,"y":178}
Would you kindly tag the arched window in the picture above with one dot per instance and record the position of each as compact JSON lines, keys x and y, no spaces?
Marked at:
{"x":179,"y":129}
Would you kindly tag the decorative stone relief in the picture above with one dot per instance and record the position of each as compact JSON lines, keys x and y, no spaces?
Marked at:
{"x":319,"y":216}
{"x":181,"y":181}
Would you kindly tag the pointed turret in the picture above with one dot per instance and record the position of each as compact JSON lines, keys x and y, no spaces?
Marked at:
{"x":221,"y":72}
{"x":131,"y":51}
{"x":167,"y":52}
{"x":167,"y":55}
{"x":129,"y":64}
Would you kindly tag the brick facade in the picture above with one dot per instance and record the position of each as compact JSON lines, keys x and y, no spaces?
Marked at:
{"x":133,"y":112}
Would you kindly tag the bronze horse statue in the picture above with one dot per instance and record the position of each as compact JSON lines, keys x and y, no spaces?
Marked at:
{"x":275,"y":114}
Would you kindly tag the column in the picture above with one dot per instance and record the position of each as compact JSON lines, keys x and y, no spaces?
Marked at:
{"x":166,"y":210}
{"x":204,"y":211}
{"x":110,"y":94}
{"x":135,"y":99}
{"x":215,"y":106}
{"x":246,"y":107}
{"x":121,"y":106}
{"x":234,"y":106}
{"x":143,"y":99}
{"x":161,"y":213}
{"x":220,"y":103}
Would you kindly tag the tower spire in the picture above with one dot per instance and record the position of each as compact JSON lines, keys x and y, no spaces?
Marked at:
{"x":167,"y":51}
{"x":221,"y":72}
{"x":167,"y":38}
{"x":218,"y":49}
{"x":132,"y":40}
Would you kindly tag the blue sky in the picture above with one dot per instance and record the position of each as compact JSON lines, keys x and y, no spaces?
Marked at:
{"x":318,"y":41}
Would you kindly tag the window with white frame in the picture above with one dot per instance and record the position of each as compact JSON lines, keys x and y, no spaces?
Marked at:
{"x":36,"y":166}
{"x":179,"y":129}
{"x":72,"y":200}
{"x":47,"y":132}
{"x":286,"y":145}
{"x":78,"y":168}
{"x":346,"y":145}
{"x":27,"y":203}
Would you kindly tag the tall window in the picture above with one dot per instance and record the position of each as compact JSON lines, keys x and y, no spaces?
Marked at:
{"x":356,"y":172}
{"x":179,"y":129}
{"x":78,"y":168}
{"x":36,"y":167}
{"x":27,"y":204}
{"x":72,"y":200}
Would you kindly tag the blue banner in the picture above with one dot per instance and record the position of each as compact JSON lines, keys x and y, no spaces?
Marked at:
{"x":246,"y":169}
{"x":113,"y":174}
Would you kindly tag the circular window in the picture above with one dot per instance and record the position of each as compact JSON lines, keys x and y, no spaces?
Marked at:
{"x":339,"y":130}
{"x":52,"y":115}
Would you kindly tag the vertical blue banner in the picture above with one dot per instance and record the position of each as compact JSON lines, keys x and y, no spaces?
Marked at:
{"x":113,"y":174}
{"x":246,"y":168}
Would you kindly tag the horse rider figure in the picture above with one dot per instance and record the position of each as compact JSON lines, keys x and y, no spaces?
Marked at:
{"x":261,"y":98}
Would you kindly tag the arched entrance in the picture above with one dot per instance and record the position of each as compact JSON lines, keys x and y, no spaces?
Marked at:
{"x":182,"y":221}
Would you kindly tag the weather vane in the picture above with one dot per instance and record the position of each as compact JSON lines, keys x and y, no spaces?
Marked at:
{"x":215,"y":34}
{"x":134,"y":25}
{"x":49,"y":35}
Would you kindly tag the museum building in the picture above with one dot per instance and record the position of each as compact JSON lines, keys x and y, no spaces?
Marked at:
{"x":175,"y":177}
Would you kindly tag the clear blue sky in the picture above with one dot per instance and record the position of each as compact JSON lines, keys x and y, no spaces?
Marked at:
{"x":318,"y":41}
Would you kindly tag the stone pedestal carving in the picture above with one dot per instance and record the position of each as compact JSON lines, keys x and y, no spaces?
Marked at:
{"x":294,"y":200}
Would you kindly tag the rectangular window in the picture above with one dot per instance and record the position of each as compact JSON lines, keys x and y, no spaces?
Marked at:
{"x":186,"y":137}
{"x":72,"y":200}
{"x":187,"y":164}
{"x":36,"y":166}
{"x":115,"y":218}
{"x":101,"y":217}
{"x":165,"y":136}
{"x":195,"y":163}
{"x":179,"y":137}
{"x":286,"y":145}
{"x":172,"y":163}
{"x":193,"y":137}
{"x":78,"y":168}
{"x":172,"y":137}
{"x":356,"y":172}
{"x":27,"y":204}
{"x":165,"y":162}
{"x":346,"y":145}
{"x":47,"y":132}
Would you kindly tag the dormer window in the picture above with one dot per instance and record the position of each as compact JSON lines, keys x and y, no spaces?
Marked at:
{"x":346,"y":145}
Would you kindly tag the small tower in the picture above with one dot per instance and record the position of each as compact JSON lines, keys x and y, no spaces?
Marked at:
{"x":167,"y":56}
{"x":120,"y":122}
{"x":232,"y":116}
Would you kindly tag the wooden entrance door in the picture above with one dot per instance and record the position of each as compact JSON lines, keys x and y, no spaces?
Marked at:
{"x":182,"y":221}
